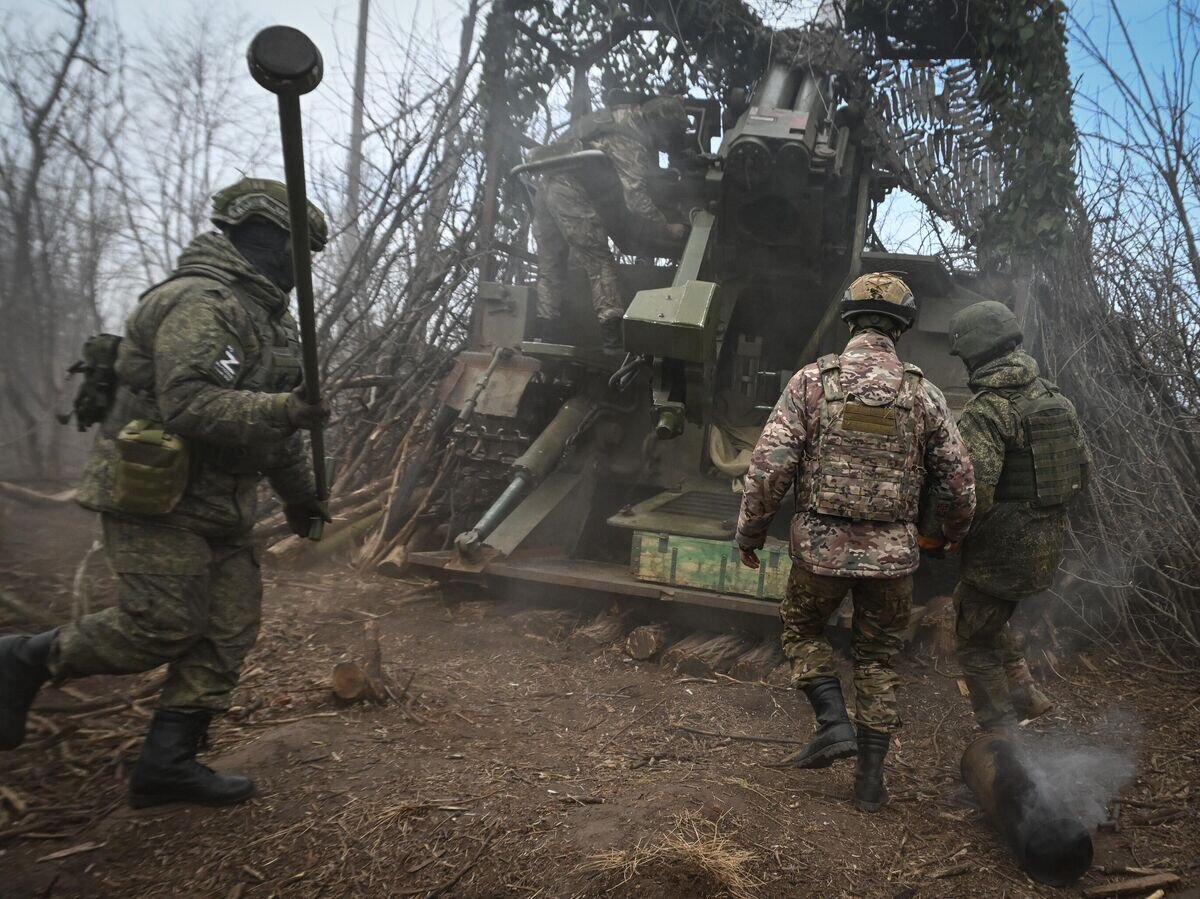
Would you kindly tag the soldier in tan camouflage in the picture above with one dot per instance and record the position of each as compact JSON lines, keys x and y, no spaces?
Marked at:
{"x":575,"y":211}
{"x":210,"y":360}
{"x":856,"y":435}
{"x":1030,"y":461}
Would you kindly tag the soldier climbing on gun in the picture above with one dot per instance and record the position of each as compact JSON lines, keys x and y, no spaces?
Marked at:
{"x":577,"y":210}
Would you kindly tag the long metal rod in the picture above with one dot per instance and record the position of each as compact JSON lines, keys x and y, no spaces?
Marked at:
{"x":293,"y":166}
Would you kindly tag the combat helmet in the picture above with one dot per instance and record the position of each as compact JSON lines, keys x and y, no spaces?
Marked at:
{"x":880,"y":295}
{"x":667,"y":115}
{"x":983,"y":332}
{"x":266,"y":198}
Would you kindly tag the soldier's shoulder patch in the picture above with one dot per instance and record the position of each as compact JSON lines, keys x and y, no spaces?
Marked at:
{"x":228,"y":365}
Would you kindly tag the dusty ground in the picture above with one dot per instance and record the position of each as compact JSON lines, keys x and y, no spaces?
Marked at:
{"x":520,"y":764}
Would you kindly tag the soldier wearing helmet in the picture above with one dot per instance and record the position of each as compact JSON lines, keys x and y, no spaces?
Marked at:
{"x":207,"y":404}
{"x":575,"y":211}
{"x":857,"y":436}
{"x":1030,"y":461}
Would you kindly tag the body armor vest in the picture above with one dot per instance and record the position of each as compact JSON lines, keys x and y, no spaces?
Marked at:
{"x":1048,"y":469}
{"x":867,"y":463}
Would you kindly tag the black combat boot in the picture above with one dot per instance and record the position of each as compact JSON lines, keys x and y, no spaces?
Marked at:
{"x":870,"y":795}
{"x":22,"y":672}
{"x":610,"y":336}
{"x":835,"y":737}
{"x":168,"y":771}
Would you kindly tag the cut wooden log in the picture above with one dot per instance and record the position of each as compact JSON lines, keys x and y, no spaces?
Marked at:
{"x":1136,"y":886}
{"x":605,"y":630}
{"x":395,"y":563}
{"x":688,"y":645}
{"x":713,"y":656}
{"x":550,"y":624}
{"x":352,"y":682}
{"x":757,"y":663}
{"x":647,"y":641}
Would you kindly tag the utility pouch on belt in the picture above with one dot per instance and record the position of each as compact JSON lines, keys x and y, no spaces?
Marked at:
{"x":152,"y":469}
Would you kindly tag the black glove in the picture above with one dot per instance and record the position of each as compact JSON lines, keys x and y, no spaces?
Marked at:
{"x":300,"y":515}
{"x":305,"y":415}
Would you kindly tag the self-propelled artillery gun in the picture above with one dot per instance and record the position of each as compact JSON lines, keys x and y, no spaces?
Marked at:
{"x":619,"y":474}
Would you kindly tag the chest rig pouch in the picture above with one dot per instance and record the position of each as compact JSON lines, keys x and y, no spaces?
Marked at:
{"x":1048,"y":469}
{"x":274,"y":367}
{"x":867,"y":466}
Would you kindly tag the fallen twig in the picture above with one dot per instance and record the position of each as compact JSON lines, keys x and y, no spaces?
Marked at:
{"x":640,"y":717}
{"x":458,"y":875}
{"x":750,"y":738}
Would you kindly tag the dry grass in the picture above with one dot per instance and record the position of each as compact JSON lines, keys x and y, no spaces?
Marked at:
{"x":694,"y":845}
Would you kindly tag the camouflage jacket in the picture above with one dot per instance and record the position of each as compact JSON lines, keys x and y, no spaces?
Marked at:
{"x":212,"y":353}
{"x":627,"y":141}
{"x":1014,"y":548}
{"x":830,"y":545}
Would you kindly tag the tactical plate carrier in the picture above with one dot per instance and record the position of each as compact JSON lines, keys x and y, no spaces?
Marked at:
{"x":1049,"y":469}
{"x":866,"y":466}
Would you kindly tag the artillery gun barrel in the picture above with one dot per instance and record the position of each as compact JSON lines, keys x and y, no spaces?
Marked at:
{"x":530,"y":469}
{"x":1048,"y":841}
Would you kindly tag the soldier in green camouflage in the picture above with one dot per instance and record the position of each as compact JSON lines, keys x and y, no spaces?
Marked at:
{"x":1030,"y":461}
{"x":211,"y":355}
{"x":857,"y":435}
{"x":575,"y":211}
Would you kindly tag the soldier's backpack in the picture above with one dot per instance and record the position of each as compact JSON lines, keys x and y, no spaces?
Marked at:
{"x":96,"y":393}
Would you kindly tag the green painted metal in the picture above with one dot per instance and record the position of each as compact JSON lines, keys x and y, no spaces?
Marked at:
{"x":714,"y":565}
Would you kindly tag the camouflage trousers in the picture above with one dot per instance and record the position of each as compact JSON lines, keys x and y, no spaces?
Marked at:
{"x":990,"y":655}
{"x":182,"y":601}
{"x":567,"y":225}
{"x":881,"y":609}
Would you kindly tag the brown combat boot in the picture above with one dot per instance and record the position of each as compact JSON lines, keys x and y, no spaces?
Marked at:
{"x":1029,"y":701}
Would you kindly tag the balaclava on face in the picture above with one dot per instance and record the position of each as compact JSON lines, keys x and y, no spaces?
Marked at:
{"x":267,"y":247}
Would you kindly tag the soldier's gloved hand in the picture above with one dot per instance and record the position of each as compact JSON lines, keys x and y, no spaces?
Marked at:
{"x":934,"y":546}
{"x":300,"y":515}
{"x":749,"y":557}
{"x":304,"y":415}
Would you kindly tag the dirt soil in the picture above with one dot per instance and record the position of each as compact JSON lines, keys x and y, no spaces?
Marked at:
{"x":513,"y":761}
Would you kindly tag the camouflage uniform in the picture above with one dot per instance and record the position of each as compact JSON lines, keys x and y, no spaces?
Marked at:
{"x":833,"y":554}
{"x":213,"y":353}
{"x":1013,"y":549}
{"x":575,"y":212}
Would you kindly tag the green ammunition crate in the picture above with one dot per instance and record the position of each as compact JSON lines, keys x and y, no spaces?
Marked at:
{"x":709,"y":565}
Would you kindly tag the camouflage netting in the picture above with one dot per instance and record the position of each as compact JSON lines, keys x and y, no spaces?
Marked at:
{"x":986,"y":142}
